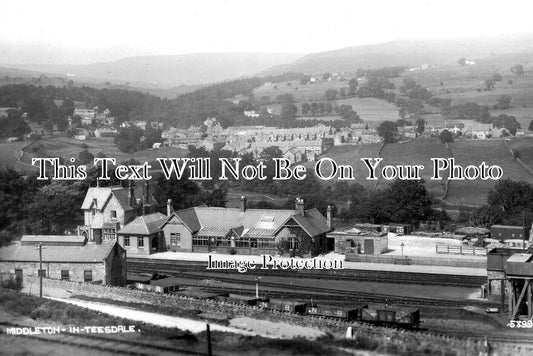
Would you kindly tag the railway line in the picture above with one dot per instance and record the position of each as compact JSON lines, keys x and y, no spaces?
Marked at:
{"x":100,"y":343}
{"x":145,"y":265}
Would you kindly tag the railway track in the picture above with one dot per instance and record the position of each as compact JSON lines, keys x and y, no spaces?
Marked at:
{"x":100,"y":343}
{"x":145,"y":265}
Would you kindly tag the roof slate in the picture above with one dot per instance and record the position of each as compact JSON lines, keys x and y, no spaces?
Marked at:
{"x":87,"y":253}
{"x":144,"y":225}
{"x":256,"y":222}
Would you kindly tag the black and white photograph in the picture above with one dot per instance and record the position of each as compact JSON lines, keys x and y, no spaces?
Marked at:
{"x":283,"y":177}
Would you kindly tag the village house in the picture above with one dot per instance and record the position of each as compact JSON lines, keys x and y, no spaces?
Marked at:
{"x":107,"y":209}
{"x":247,"y":231}
{"x":66,"y":258}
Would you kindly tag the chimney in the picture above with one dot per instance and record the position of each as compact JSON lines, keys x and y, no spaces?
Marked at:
{"x":329,"y":216}
{"x":146,"y":192}
{"x":243,"y":204}
{"x":131,"y":195}
{"x":299,"y":208}
{"x":169,"y":207}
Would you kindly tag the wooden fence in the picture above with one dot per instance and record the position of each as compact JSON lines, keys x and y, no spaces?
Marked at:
{"x":460,"y":250}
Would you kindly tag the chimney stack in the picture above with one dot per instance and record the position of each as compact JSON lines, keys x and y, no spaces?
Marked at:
{"x":169,"y":207}
{"x":131,"y":195}
{"x":329,"y":216}
{"x":146,"y":192}
{"x":243,"y":204}
{"x":300,"y":206}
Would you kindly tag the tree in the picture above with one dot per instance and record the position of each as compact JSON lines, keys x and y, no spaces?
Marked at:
{"x":56,"y":207}
{"x":518,"y":69}
{"x":489,"y":84}
{"x":446,"y":136}
{"x":504,"y":102}
{"x":420,"y":125}
{"x":306,"y":108}
{"x":326,"y":76}
{"x":497,"y":77}
{"x":352,"y":86}
{"x":85,"y":157}
{"x":462,"y":61}
{"x":329,"y":108}
{"x":331,"y":94}
{"x":511,"y":197}
{"x":388,"y":131}
{"x":408,"y":201}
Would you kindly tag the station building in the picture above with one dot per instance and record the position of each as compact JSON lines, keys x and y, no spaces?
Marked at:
{"x":247,"y":231}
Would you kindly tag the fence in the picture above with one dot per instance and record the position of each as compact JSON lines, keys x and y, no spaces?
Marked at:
{"x":460,"y":250}
{"x":417,"y":260}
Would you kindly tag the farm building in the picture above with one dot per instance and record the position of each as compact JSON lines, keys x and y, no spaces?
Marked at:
{"x":66,"y":258}
{"x":505,"y":232}
{"x":247,"y":231}
{"x":367,"y":242}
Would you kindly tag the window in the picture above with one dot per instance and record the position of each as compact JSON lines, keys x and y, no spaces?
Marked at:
{"x":126,"y":241}
{"x":65,"y":275}
{"x":293,"y":244}
{"x":266,"y":243}
{"x":253,"y":243}
{"x":200,"y":241}
{"x":113,"y":214}
{"x":175,"y":238}
{"x":140,"y":242}
{"x":88,"y":275}
{"x":242,"y":243}
{"x":18,"y":274}
{"x":223,"y":241}
{"x":109,"y":234}
{"x":267,"y":218}
{"x":41,"y":272}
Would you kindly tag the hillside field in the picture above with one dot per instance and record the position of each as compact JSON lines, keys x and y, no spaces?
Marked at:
{"x":301,"y":93}
{"x":66,"y":147}
{"x":420,"y":151}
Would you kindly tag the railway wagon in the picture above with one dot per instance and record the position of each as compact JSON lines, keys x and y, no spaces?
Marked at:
{"x":240,"y":299}
{"x":284,"y":305}
{"x":164,"y":285}
{"x":201,"y":294}
{"x":347,"y":313}
{"x":392,"y":315}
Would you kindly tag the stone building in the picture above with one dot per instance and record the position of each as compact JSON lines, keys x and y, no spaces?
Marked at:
{"x":66,"y":258}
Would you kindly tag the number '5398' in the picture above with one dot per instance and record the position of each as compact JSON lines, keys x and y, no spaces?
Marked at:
{"x":520,"y":323}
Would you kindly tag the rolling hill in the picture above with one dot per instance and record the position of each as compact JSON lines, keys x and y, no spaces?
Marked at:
{"x":408,"y":52}
{"x":170,"y":71}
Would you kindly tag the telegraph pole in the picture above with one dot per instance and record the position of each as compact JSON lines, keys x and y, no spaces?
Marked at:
{"x":39,"y":246}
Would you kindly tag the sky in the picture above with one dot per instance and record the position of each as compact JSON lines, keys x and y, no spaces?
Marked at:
{"x":71,"y":31}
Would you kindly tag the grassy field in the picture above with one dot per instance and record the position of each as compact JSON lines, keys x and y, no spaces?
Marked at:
{"x":525,"y":149}
{"x":350,"y":155}
{"x":300,"y":92}
{"x":66,"y":147}
{"x":372,"y":110}
{"x":474,"y":193}
{"x":419,"y":152}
